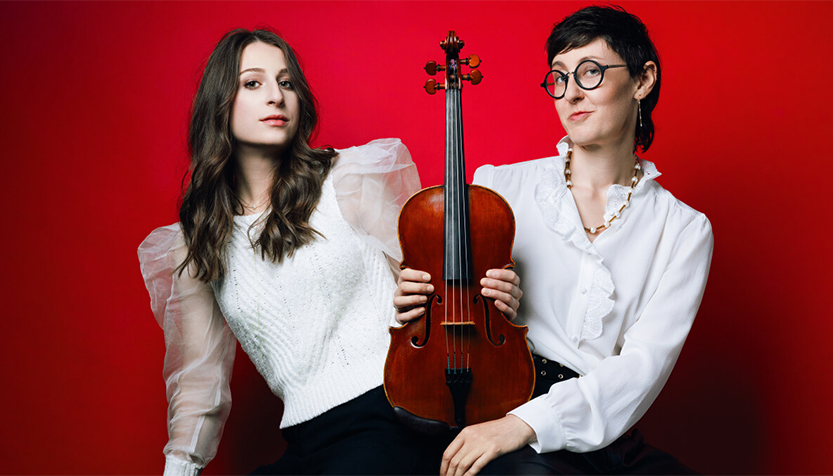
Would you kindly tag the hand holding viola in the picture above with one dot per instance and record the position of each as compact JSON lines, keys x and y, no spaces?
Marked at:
{"x":502,"y":285}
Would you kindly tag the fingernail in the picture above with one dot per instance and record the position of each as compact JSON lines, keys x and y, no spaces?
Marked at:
{"x":487,"y":292}
{"x":423,"y":298}
{"x":430,"y":288}
{"x":426,"y":277}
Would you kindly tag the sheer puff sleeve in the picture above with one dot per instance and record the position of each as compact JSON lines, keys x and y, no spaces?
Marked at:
{"x":199,"y":357}
{"x":372,"y":182}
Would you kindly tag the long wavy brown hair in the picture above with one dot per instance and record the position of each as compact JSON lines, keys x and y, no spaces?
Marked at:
{"x":209,"y":203}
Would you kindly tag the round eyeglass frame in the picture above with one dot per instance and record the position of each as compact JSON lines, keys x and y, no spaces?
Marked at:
{"x":566,"y":77}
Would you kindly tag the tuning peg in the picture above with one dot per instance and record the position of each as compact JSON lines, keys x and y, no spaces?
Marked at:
{"x":432,"y":67}
{"x":431,"y":86}
{"x":475,"y":77}
{"x":473,"y":61}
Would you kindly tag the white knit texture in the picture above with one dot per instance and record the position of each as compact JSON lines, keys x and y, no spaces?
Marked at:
{"x":316,"y":324}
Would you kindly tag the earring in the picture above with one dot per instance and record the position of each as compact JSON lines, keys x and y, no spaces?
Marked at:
{"x":639,"y":107}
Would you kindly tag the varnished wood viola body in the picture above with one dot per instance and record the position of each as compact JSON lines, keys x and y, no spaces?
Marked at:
{"x":494,"y":349}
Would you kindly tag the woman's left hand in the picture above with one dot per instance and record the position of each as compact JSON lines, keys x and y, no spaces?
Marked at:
{"x":479,"y":444}
{"x":502,"y":285}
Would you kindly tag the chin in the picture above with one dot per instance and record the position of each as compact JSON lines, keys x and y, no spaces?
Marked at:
{"x":581,"y":140}
{"x":586,"y":138}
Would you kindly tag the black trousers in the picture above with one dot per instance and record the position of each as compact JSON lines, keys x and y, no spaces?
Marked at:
{"x":361,"y":436}
{"x":627,"y":455}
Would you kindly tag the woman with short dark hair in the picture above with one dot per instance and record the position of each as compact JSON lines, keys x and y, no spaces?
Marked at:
{"x":613,"y":266}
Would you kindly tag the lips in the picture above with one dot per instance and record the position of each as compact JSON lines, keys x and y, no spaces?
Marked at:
{"x":576,"y":116}
{"x":275,"y":120}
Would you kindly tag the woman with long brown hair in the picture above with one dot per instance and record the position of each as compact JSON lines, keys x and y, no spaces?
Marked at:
{"x":291,"y":251}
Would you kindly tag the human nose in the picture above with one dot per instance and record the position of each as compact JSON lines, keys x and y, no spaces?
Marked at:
{"x":572,"y":90}
{"x":275,"y":97}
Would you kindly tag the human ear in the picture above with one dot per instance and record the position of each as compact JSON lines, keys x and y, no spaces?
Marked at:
{"x":646,"y":80}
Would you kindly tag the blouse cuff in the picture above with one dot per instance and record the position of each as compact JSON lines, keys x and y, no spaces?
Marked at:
{"x":177,"y":467}
{"x":546,"y":423}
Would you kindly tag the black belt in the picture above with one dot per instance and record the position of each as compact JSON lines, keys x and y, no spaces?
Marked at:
{"x":549,"y":372}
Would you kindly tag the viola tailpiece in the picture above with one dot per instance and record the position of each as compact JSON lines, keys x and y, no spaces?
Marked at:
{"x":463,"y":362}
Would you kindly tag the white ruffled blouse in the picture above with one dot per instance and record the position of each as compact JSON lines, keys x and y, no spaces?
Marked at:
{"x":617,"y":310}
{"x":315,"y":325}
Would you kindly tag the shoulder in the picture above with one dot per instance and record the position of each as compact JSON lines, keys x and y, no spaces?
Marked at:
{"x":515,"y":175}
{"x":161,"y":239}
{"x":524,"y":173}
{"x":382,"y":165}
{"x":162,"y":250}
{"x":380,"y":153}
{"x":680,"y":218}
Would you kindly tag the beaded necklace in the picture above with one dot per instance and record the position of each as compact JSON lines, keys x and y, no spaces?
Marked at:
{"x":634,"y":182}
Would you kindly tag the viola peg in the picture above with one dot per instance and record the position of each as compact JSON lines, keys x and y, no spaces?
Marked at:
{"x":473,"y":61}
{"x":431,"y":86}
{"x":475,"y":77}
{"x":432,"y":67}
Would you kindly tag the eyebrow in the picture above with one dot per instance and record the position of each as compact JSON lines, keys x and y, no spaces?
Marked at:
{"x":261,"y":70}
{"x":595,"y":58}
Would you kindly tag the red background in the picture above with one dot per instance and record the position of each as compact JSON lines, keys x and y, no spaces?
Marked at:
{"x":95,"y":99}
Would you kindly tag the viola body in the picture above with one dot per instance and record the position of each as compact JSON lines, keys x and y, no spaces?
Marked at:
{"x":460,"y":328}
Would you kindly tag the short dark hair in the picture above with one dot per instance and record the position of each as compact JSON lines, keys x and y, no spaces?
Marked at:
{"x":626,"y":35}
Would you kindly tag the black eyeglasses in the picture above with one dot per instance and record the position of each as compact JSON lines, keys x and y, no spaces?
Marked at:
{"x":589,"y":75}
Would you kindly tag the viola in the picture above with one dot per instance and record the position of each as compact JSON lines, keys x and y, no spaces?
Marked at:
{"x":463,"y":362}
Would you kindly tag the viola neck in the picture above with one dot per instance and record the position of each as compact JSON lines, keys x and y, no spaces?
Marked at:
{"x":457,"y":267}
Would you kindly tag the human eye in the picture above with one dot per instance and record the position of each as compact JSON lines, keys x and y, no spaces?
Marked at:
{"x":590,"y":70}
{"x":251,"y":84}
{"x":286,"y":84}
{"x":559,"y":77}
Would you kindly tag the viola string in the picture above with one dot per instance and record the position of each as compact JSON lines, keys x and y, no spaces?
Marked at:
{"x":445,"y":263}
{"x":461,"y":257}
{"x":458,"y":222}
{"x":465,"y":230}
{"x":456,"y":179}
{"x":454,"y":207}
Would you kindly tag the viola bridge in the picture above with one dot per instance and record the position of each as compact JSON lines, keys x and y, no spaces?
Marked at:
{"x":457,"y":324}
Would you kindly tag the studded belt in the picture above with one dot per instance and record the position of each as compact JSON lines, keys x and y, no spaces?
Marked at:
{"x":549,"y":372}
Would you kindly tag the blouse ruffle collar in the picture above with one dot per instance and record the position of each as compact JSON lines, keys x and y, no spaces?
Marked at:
{"x":561,"y":215}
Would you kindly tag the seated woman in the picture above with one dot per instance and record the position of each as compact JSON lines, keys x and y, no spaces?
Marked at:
{"x":287,"y":249}
{"x":613,"y":267}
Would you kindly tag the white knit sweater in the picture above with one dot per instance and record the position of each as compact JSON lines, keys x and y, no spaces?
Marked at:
{"x":315,"y":325}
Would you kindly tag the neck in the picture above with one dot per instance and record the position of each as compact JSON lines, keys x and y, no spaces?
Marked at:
{"x":598,"y":167}
{"x":254,"y":173}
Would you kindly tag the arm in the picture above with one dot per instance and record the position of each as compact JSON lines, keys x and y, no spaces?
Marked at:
{"x":200,"y":353}
{"x":589,"y":413}
{"x":372,"y":182}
